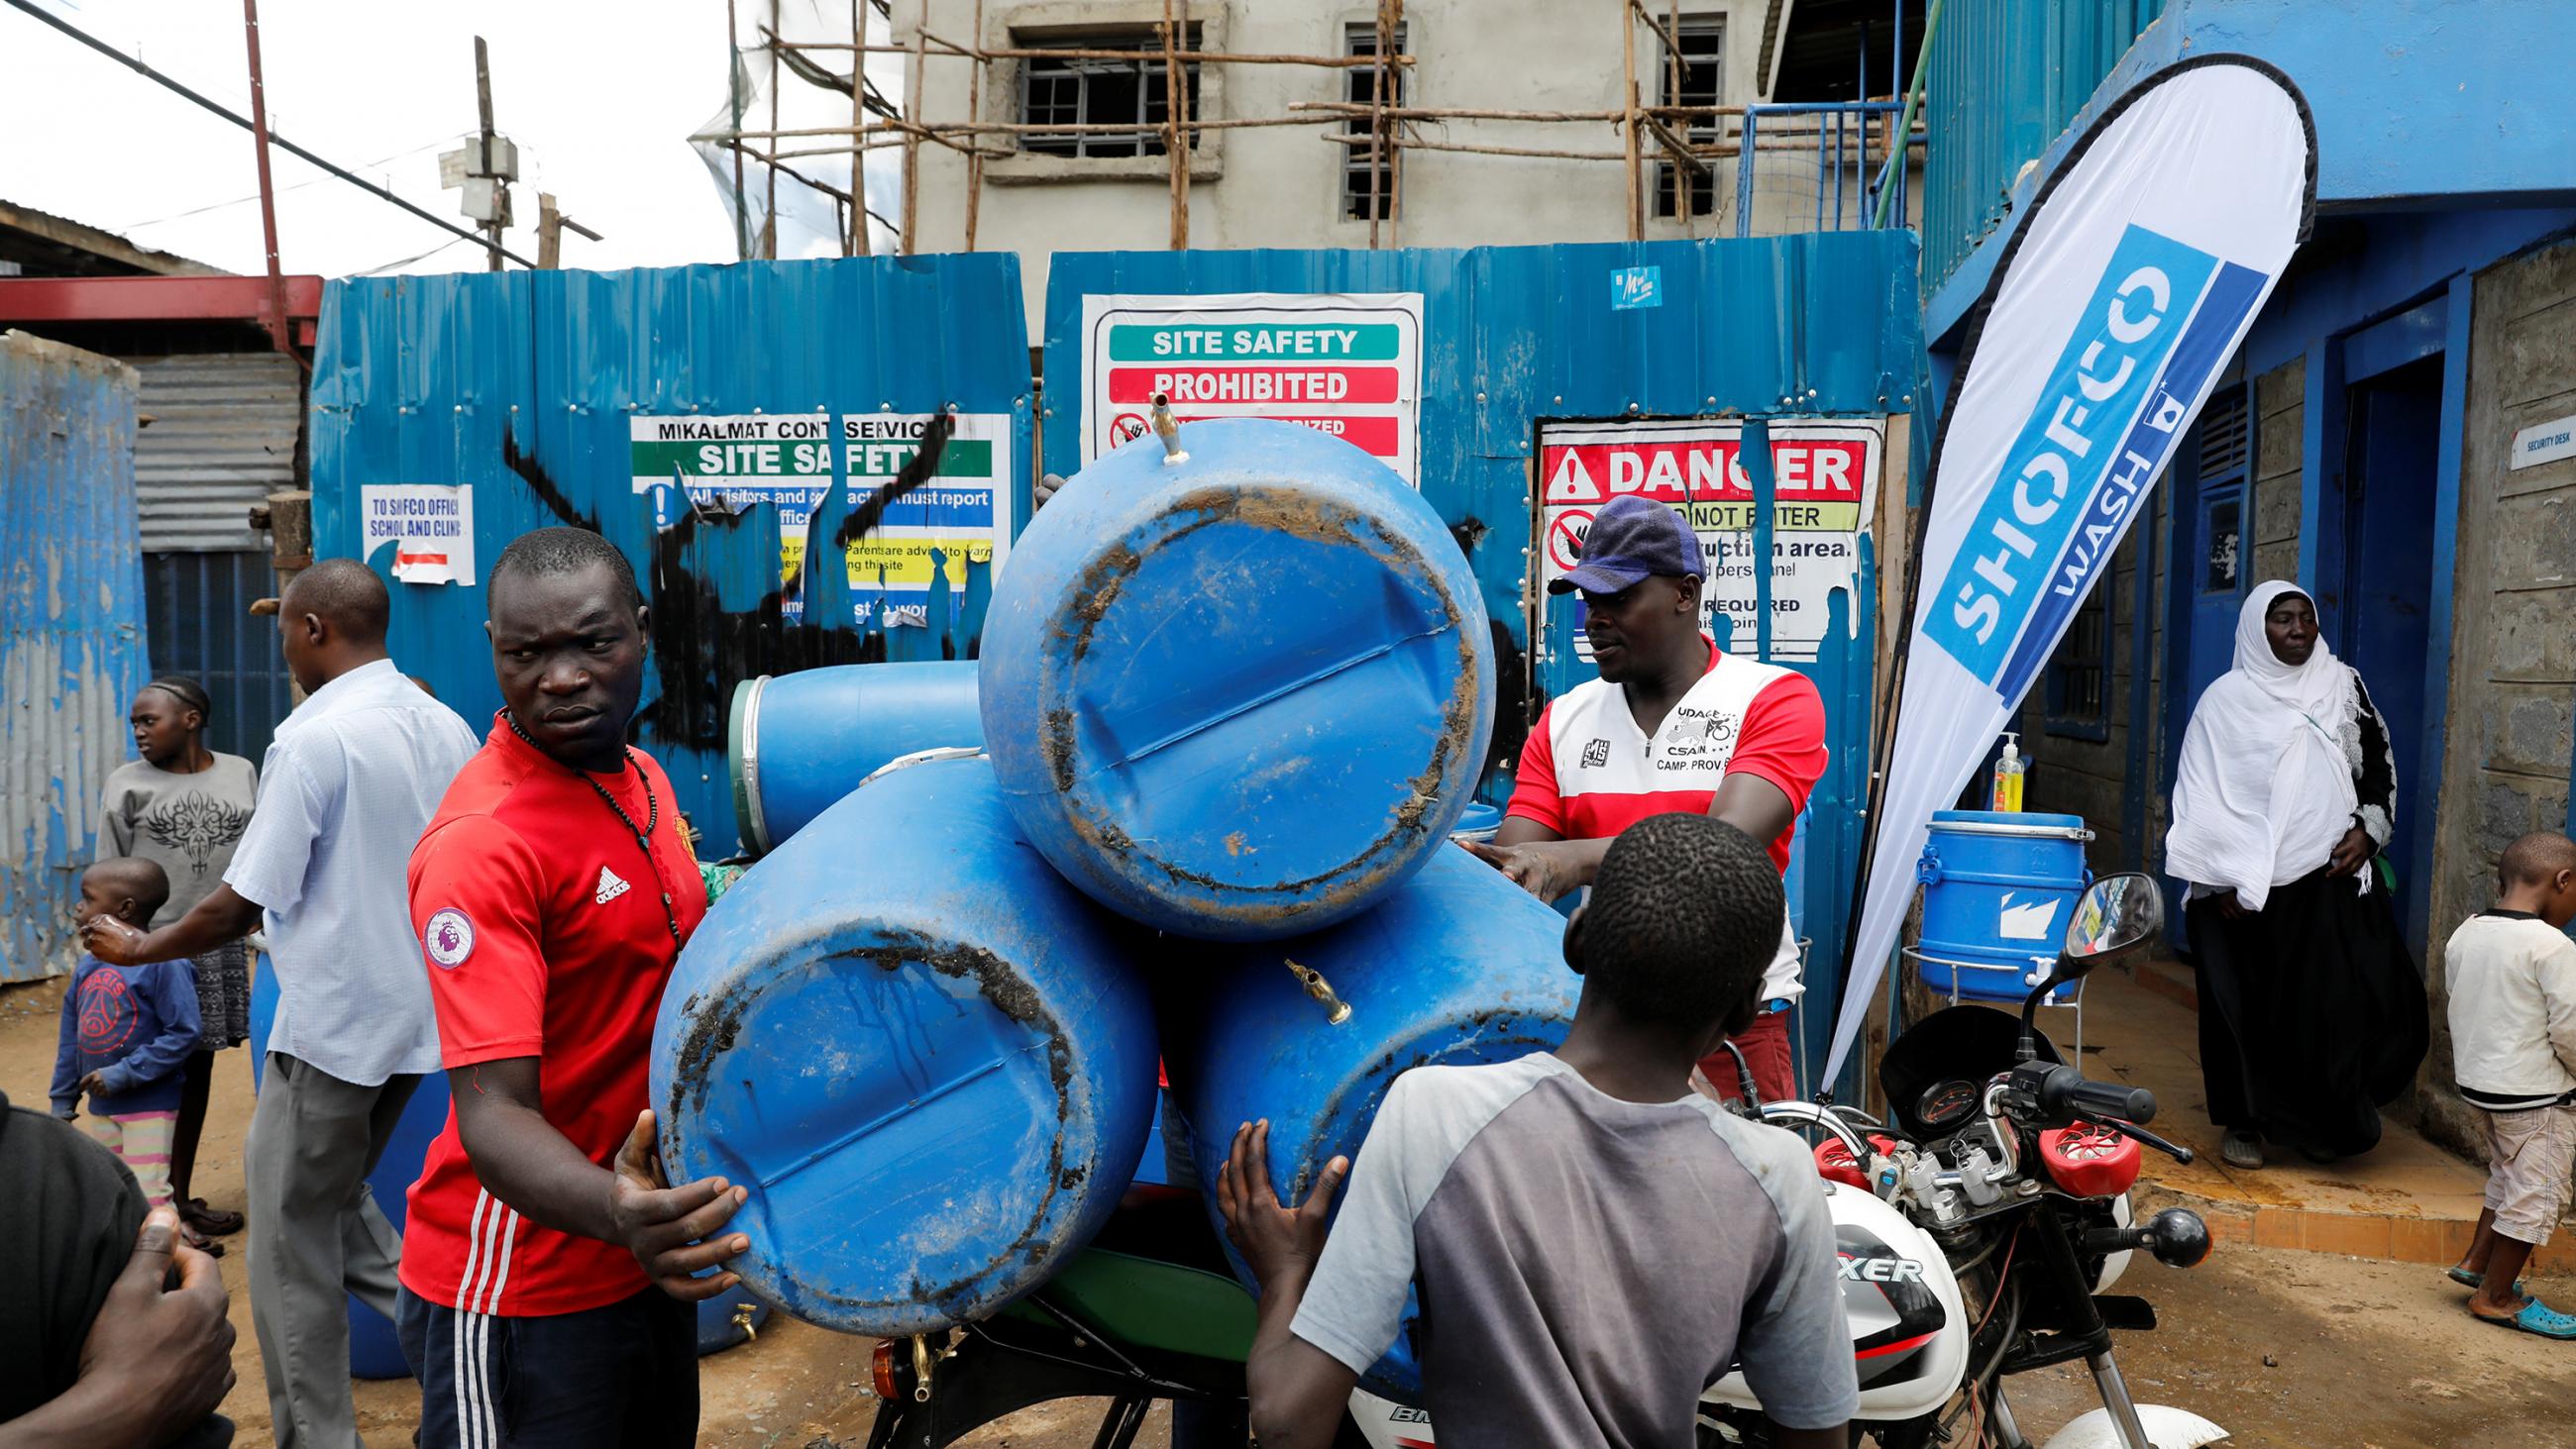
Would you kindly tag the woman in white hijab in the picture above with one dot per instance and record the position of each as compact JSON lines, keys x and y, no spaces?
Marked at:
{"x":2311,"y":1010}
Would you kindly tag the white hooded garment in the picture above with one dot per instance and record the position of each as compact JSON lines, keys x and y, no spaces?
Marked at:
{"x":2265,"y":786}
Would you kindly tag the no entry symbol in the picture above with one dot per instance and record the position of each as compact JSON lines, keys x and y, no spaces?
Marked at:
{"x":1565,"y":537}
{"x":1126,"y":428}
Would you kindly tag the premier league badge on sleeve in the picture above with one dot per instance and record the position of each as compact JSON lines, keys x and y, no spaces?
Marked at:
{"x":449,"y":938}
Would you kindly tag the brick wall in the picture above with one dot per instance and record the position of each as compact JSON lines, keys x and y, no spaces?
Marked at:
{"x":2280,"y":415}
{"x":2513,"y":661}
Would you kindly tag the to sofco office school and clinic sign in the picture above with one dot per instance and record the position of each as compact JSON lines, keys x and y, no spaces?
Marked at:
{"x":960,"y":518}
{"x":1347,"y":364}
{"x":1825,"y":475}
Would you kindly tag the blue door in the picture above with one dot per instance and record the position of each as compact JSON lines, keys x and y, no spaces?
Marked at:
{"x":2380,"y":614}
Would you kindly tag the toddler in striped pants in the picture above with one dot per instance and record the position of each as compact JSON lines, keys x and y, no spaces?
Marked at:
{"x":127,"y":1031}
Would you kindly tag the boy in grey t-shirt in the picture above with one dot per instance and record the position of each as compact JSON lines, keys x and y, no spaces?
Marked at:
{"x":1593,"y":1243}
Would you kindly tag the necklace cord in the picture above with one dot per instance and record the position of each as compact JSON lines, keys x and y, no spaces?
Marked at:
{"x":652,"y":816}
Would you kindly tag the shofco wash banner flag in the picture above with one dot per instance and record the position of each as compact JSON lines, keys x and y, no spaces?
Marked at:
{"x":2126,"y":288}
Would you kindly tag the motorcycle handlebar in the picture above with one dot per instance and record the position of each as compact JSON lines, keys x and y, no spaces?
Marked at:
{"x":2064,"y":1092}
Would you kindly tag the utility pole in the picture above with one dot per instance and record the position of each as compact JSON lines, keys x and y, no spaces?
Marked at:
{"x":483,"y":101}
{"x":551,"y":225}
{"x":484,"y":167}
{"x":277,"y":325}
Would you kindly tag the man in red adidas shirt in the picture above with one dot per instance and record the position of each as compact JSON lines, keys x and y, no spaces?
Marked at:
{"x":546,"y":1270}
{"x":1673,"y":724}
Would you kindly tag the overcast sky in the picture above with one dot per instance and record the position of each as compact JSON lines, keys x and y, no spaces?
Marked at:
{"x":601,"y":98}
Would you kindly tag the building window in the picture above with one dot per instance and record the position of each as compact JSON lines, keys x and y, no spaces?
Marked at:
{"x":1697,"y":81}
{"x":2222,"y":572}
{"x":2079,"y":676}
{"x":1080,"y":91}
{"x":1359,"y":86}
{"x":2224,"y":452}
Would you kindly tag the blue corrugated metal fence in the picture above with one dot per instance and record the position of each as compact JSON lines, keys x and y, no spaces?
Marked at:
{"x":71,"y":630}
{"x":523,"y":384}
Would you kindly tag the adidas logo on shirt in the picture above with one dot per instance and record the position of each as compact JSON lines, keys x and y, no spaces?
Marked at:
{"x":610,"y":887}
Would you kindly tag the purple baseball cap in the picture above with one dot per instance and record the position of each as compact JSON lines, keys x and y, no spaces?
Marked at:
{"x":1632,"y":539}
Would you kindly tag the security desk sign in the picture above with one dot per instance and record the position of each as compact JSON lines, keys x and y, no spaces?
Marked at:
{"x":431,"y":527}
{"x":2543,"y":443}
{"x":1347,"y":364}
{"x":1824,"y":477}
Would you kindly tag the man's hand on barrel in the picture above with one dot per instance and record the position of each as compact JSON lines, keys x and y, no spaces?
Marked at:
{"x":670,"y":1229}
{"x":1272,"y":1238}
{"x":1547,"y":869}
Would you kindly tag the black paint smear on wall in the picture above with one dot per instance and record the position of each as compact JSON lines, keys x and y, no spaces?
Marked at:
{"x":539,"y":482}
{"x":1512,"y":702}
{"x":923,"y":467}
{"x":702,"y":651}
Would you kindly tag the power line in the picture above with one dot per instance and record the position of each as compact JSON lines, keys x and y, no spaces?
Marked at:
{"x":384,"y":267}
{"x":283,"y":144}
{"x":296,"y":186}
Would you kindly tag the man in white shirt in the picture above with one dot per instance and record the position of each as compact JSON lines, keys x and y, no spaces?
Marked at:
{"x":349,"y":783}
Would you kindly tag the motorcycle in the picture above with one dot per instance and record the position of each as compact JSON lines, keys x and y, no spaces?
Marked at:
{"x":2000,"y":1179}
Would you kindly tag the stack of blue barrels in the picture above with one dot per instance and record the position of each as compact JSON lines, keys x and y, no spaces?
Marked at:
{"x":1234,"y":695}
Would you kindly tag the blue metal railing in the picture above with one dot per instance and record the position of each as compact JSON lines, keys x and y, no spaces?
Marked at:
{"x":1847,"y":186}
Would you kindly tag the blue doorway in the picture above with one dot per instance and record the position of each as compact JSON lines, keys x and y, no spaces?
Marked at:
{"x":2376,"y":602}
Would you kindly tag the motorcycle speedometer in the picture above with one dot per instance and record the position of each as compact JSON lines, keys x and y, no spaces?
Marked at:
{"x":1945,"y":1105}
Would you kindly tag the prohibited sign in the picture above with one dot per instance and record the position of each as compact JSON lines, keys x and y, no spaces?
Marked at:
{"x":1126,"y":428}
{"x":1565,"y":537}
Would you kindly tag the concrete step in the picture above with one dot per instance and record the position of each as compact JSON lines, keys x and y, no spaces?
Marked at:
{"x":2405,"y":1201}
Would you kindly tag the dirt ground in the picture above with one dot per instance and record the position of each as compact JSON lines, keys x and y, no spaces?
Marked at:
{"x":2288,"y":1350}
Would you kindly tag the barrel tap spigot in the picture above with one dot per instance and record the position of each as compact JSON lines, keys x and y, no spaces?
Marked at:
{"x":1336,"y":1010}
{"x":1168,"y":429}
{"x":925,"y":1362}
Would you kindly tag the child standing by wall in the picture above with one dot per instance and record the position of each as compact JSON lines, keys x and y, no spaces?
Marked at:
{"x":2513,"y":1044}
{"x":184,"y":807}
{"x":127,"y":1032}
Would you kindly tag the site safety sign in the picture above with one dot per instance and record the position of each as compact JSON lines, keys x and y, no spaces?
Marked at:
{"x":1347,"y":364}
{"x":1824,"y":490}
{"x":730,"y":465}
{"x":959,"y":517}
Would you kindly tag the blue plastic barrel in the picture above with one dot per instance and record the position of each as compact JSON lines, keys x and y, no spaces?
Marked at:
{"x":928,"y":1057}
{"x":1998,"y":889}
{"x":728,"y":1319}
{"x":374,"y":1352}
{"x":1241,"y":696}
{"x":1477,"y":822}
{"x":795,"y":743}
{"x":1458,"y":967}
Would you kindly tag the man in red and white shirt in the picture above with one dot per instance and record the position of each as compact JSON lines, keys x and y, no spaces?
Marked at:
{"x":547,"y":1272}
{"x":1673,"y":724}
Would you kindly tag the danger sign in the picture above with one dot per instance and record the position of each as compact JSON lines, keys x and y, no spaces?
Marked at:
{"x":1824,"y":475}
{"x":1565,"y":531}
{"x":1345,"y":364}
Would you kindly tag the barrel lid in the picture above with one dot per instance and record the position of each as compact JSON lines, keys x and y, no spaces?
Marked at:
{"x":2010,"y":822}
{"x":1242,"y":697}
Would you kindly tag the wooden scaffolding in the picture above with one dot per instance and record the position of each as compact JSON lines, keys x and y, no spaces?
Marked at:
{"x":1660,"y":133}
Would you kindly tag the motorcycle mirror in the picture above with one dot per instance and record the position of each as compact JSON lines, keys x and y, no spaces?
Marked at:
{"x":2114,"y":914}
